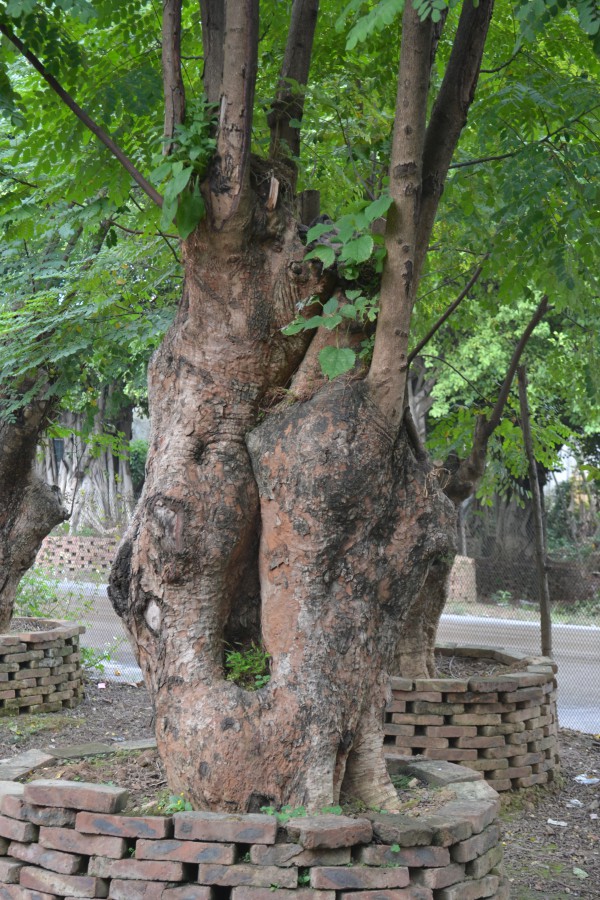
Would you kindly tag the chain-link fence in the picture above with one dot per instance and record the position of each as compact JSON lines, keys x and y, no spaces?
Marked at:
{"x":492,"y":601}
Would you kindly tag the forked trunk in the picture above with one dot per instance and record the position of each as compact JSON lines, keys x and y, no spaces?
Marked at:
{"x":312,"y":521}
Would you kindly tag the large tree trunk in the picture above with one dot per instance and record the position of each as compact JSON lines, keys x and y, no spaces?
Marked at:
{"x":30,"y":507}
{"x":349,"y":521}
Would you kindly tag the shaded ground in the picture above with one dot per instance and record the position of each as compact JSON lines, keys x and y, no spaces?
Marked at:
{"x":543,"y":861}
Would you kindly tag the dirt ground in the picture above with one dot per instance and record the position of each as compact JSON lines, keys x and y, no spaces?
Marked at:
{"x":544,"y":861}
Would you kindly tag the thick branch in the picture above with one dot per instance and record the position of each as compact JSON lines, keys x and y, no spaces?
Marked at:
{"x":446,"y":315}
{"x":465,"y":474}
{"x":289,"y":101}
{"x":102,"y":135}
{"x":213,"y":35}
{"x":387,"y":377}
{"x":171,"y":67}
{"x":450,"y":110}
{"x":240,"y":56}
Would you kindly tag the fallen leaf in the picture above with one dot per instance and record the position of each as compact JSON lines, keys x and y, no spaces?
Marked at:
{"x":580,"y":873}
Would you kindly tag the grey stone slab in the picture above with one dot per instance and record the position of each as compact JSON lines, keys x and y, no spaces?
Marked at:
{"x":440,"y":772}
{"x":140,"y":744}
{"x":23,"y":764}
{"x":11,"y":787}
{"x":79,"y":751}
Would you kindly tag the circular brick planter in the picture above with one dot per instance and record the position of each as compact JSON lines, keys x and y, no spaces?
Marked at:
{"x":68,"y":839}
{"x":40,"y":670}
{"x":504,"y":725}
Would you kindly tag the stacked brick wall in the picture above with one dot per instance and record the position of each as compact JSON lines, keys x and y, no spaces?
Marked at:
{"x":67,"y":840}
{"x":69,"y":553}
{"x":40,"y":671}
{"x":503,"y":725}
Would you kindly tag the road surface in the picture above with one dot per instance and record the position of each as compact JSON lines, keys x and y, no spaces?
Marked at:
{"x":576,"y":650}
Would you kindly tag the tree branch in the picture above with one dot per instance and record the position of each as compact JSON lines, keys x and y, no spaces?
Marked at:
{"x":212,"y":13}
{"x":102,"y":135}
{"x":446,"y":315}
{"x":465,"y":474}
{"x":450,"y":110}
{"x":240,"y":59}
{"x":289,"y":101}
{"x":173,"y":88}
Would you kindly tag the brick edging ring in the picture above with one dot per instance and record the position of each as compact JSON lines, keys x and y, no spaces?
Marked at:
{"x":41,"y":669}
{"x":504,"y":725}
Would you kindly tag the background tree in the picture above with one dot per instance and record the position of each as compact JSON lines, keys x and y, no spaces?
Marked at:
{"x":321,"y":521}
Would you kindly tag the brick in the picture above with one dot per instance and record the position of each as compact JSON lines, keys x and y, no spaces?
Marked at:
{"x":471,"y":890}
{"x":414,"y":719}
{"x":329,"y":831}
{"x":359,"y":878}
{"x":462,"y":732}
{"x":65,"y":885}
{"x":479,"y":867}
{"x":481,"y":741}
{"x":524,"y":695}
{"x":478,"y":720}
{"x":479,"y":813}
{"x":476,"y":845}
{"x":500,"y":784}
{"x":503,"y":752}
{"x":9,"y":871}
{"x":14,"y":892}
{"x":124,"y":826}
{"x":396,"y":706}
{"x":411,"y":696}
{"x":485,"y":708}
{"x":137,"y":890}
{"x":399,"y":728}
{"x":501,"y":728}
{"x":438,"y":709}
{"x":75,"y":795}
{"x":296,"y":855}
{"x":528,"y":759}
{"x":188,"y":892}
{"x":398,"y":829}
{"x":458,"y":685}
{"x":400,"y":684}
{"x":522,"y":715}
{"x":473,"y":697}
{"x":207,"y":826}
{"x":24,"y":832}
{"x":439,"y":878}
{"x":414,"y":857}
{"x":3,"y":846}
{"x":134,"y":869}
{"x":452,"y":754}
{"x":414,"y":892}
{"x":422,"y":740}
{"x":54,"y":860}
{"x":447,"y":830}
{"x":439,"y":772}
{"x":186,"y":851}
{"x":247,"y":875}
{"x":257,"y":893}
{"x":530,"y":780}
{"x":70,"y":841}
{"x":484,"y":765}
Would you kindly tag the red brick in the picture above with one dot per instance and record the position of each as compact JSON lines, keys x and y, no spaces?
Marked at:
{"x":397,"y":683}
{"x":422,"y":740}
{"x":439,"y":878}
{"x":14,"y":892}
{"x":247,"y":875}
{"x":414,"y":892}
{"x":499,"y":784}
{"x":135,"y":869}
{"x":478,"y":720}
{"x":24,"y":832}
{"x":70,"y":841}
{"x":473,"y":697}
{"x":496,"y":740}
{"x":188,"y":892}
{"x":407,"y":831}
{"x":438,"y":709}
{"x":462,"y":732}
{"x":399,"y":728}
{"x":9,"y":871}
{"x":125,"y":826}
{"x":414,"y":857}
{"x":54,"y":860}
{"x":207,"y":826}
{"x":186,"y":851}
{"x":479,"y":867}
{"x":530,"y":780}
{"x":505,"y":728}
{"x":396,"y":706}
{"x":66,"y":885}
{"x":476,"y":845}
{"x":136,"y":890}
{"x":295,"y":855}
{"x":490,"y":683}
{"x":452,"y":754}
{"x":479,"y":813}
{"x":329,"y":831}
{"x":258,"y":893}
{"x":522,"y":715}
{"x":358,"y":878}
{"x":471,"y":890}
{"x":16,"y":808}
{"x":446,"y":685}
{"x":414,"y":719}
{"x":75,"y":795}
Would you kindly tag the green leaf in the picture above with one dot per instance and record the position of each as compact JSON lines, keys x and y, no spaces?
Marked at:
{"x":378,"y":208}
{"x":358,"y":250}
{"x":325,"y":254}
{"x":336,"y":361}
{"x":317,"y":231}
{"x":331,"y":306}
{"x":190,"y":212}
{"x":580,"y":873}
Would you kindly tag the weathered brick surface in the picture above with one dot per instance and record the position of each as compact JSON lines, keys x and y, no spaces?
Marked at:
{"x":251,"y":876}
{"x":414,"y":857}
{"x":15,"y":830}
{"x":15,"y":892}
{"x":402,"y":830}
{"x":35,"y":854}
{"x":329,"y":831}
{"x":296,"y":855}
{"x":124,"y":826}
{"x":9,"y":871}
{"x":439,"y":878}
{"x":358,"y":878}
{"x":75,"y":795}
{"x":476,"y":845}
{"x":206,"y":826}
{"x":71,"y":841}
{"x":186,"y":851}
{"x":479,"y":867}
{"x":65,"y":885}
{"x":188,"y":892}
{"x":139,"y":890}
{"x":16,"y":808}
{"x":410,"y":893}
{"x":471,"y":890}
{"x":144,"y":870}
{"x":258,"y":893}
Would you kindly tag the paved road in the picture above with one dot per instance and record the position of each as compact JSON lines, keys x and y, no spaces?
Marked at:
{"x":576,"y":650}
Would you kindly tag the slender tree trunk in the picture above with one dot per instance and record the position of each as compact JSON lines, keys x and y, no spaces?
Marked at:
{"x":30,"y":508}
{"x":538,"y":517}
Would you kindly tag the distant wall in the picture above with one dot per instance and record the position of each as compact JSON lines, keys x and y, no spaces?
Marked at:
{"x":66,"y":553}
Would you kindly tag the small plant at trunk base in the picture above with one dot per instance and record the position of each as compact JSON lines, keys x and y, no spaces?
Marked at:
{"x":174,"y":804}
{"x":248,"y":668}
{"x":297,"y":812}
